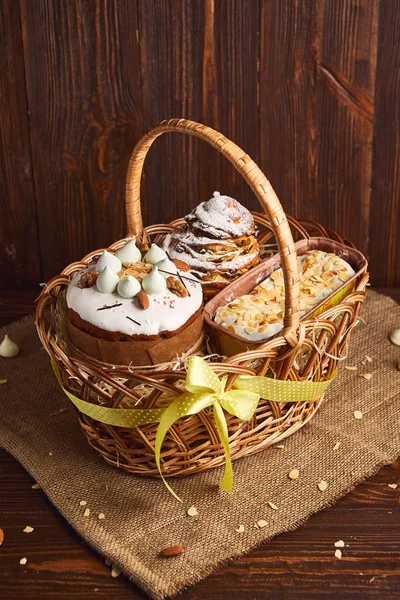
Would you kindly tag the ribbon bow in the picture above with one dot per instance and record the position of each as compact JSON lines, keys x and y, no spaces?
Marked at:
{"x":205,"y":389}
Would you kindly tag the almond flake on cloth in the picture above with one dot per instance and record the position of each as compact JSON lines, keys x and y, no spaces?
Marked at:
{"x":351,"y":368}
{"x":261,"y":523}
{"x":279,"y":446}
{"x":337,"y":445}
{"x":101,"y":516}
{"x":240,"y":529}
{"x":322,"y":486}
{"x":87,"y":512}
{"x":293,"y":474}
{"x":192,"y":511}
{"x":272,"y":505}
{"x":368,"y":358}
{"x":82,"y":503}
{"x":36,"y":486}
{"x":358,"y":414}
{"x":366,"y":376}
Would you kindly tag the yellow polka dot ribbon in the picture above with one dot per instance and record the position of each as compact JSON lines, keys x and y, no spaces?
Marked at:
{"x":204,"y":389}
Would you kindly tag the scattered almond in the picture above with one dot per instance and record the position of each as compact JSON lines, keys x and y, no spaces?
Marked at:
{"x":28,"y":529}
{"x":279,"y":446}
{"x":395,"y":337}
{"x":36,"y":486}
{"x":172,"y":551}
{"x":101,"y":516}
{"x":176,"y":287}
{"x":338,"y":554}
{"x":337,"y":445}
{"x":322,"y":485}
{"x":339,"y":544}
{"x":393,"y":486}
{"x":82,"y":503}
{"x":358,"y":414}
{"x":1,"y":536}
{"x":192,"y":511}
{"x":115,"y":571}
{"x":240,"y":529}
{"x":272,"y":505}
{"x":50,"y":454}
{"x":368,"y":358}
{"x":351,"y":368}
{"x":143,"y":300}
{"x":87,"y":512}
{"x":181,"y":265}
{"x":23,"y":561}
{"x":293,"y":474}
{"x":261,"y":523}
{"x":366,"y":376}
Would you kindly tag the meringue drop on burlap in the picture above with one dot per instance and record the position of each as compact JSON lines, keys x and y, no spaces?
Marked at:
{"x":167,"y":268}
{"x":107,"y":281}
{"x":128,"y":287}
{"x":155,"y":255}
{"x":108,"y":260}
{"x":154,"y":282}
{"x":129,"y":253}
{"x":8,"y":348}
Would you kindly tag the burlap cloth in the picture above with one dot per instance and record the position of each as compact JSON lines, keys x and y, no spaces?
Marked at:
{"x":141,"y":517}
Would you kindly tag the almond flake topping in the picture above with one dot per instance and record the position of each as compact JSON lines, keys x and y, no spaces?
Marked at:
{"x":28,"y":529}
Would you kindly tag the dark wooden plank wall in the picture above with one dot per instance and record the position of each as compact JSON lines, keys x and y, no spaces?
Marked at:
{"x":310,"y":89}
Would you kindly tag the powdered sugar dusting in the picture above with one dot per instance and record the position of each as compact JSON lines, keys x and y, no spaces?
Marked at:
{"x":222,"y":217}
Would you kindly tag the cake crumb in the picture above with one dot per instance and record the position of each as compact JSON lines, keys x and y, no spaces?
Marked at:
{"x":338,"y":554}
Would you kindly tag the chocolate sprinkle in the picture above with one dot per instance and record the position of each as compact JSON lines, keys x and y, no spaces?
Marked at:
{"x":111,"y":306}
{"x":130,"y":318}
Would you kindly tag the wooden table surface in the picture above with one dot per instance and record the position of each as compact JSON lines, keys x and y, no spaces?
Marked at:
{"x":296,"y":565}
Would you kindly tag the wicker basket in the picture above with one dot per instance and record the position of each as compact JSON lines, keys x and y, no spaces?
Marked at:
{"x":306,"y":350}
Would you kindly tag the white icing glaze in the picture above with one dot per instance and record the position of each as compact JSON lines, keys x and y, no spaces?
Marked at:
{"x":8,"y":348}
{"x":166,"y":311}
{"x":155,"y":254}
{"x":166,"y":265}
{"x":107,"y":281}
{"x":108,"y":260}
{"x":154,"y":282}
{"x":128,"y":287}
{"x":129,"y":253}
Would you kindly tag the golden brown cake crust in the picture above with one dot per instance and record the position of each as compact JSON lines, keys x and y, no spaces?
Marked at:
{"x":117,"y":336}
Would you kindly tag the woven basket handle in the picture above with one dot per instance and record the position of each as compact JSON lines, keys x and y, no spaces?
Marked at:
{"x":252,"y":175}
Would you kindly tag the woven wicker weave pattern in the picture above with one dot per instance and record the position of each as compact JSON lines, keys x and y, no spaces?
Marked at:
{"x":308,"y":351}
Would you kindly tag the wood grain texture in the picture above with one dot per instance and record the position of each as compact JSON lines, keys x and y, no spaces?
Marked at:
{"x":287,"y":103}
{"x":346,"y":46}
{"x":19,"y":249}
{"x":171,"y":48}
{"x":309,"y":89}
{"x":230,"y":93}
{"x":385,"y":203}
{"x":82,"y":73}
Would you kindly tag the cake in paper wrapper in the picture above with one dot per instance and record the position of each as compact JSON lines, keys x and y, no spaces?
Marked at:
{"x":138,"y":312}
{"x":259,"y":315}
